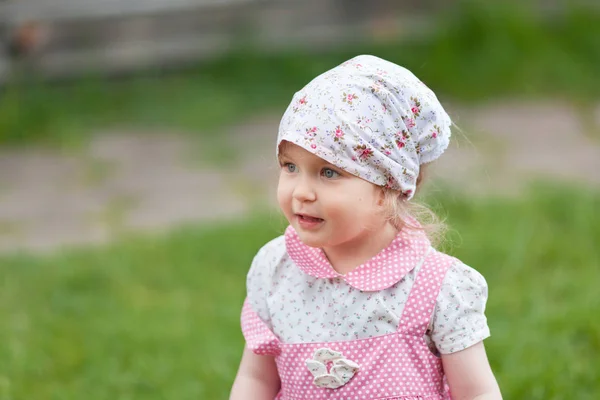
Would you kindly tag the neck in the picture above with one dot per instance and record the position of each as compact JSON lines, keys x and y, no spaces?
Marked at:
{"x":345,"y":258}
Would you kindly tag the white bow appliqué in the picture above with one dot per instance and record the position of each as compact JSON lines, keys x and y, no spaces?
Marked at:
{"x":330,"y":368}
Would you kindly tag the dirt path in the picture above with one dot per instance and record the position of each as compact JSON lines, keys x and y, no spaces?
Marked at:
{"x":138,"y":182}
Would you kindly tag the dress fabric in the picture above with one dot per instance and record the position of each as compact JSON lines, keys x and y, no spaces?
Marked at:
{"x":394,"y":366}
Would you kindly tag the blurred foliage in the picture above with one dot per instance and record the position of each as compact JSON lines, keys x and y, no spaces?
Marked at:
{"x":486,"y":49}
{"x":158,"y":317}
{"x":476,"y":51}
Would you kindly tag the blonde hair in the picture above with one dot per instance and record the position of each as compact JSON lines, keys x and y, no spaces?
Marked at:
{"x":402,"y":213}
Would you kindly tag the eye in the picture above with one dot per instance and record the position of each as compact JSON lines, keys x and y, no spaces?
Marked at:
{"x":289,"y":167}
{"x":329,"y":173}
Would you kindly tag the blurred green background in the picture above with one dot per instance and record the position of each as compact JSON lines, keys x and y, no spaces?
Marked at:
{"x":152,"y":311}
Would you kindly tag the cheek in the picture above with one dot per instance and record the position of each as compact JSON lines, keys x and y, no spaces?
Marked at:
{"x":347,"y":204}
{"x":284,"y":193}
{"x":361,"y":202}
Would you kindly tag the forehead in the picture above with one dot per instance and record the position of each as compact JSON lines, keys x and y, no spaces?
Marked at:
{"x":291,"y":150}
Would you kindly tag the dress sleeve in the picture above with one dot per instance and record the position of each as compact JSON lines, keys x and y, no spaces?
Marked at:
{"x":256,"y":319}
{"x":459,"y":321}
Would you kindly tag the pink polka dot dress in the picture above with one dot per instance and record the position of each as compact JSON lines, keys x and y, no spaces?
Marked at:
{"x":374,"y":333}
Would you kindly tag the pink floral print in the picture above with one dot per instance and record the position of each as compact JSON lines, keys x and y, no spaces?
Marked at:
{"x":306,"y":315}
{"x":325,"y":306}
{"x":359,"y":105}
{"x":348,"y":98}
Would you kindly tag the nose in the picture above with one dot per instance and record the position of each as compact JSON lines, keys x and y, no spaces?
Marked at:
{"x":304,"y":190}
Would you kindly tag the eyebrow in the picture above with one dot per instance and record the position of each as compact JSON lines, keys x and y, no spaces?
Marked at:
{"x":281,"y":156}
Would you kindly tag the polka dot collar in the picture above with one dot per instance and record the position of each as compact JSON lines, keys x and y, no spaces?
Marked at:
{"x":380,"y":272}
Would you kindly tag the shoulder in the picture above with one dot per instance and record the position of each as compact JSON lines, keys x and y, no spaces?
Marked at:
{"x":459,"y":319}
{"x":268,"y":257}
{"x":266,"y":262}
{"x":259,"y":281}
{"x":462,"y":277}
{"x":274,"y":247}
{"x":456,"y":273}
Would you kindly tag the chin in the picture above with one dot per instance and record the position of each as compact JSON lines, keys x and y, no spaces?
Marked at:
{"x":310,"y":240}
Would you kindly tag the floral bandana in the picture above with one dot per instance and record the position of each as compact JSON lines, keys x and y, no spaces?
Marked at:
{"x":371,"y":118}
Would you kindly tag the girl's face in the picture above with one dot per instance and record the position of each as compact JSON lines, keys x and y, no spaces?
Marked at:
{"x":328,"y":208}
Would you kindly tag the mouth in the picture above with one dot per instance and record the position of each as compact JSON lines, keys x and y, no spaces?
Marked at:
{"x":308,"y":222}
{"x":309,"y":218}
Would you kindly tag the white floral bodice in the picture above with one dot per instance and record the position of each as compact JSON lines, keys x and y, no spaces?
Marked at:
{"x":301,"y":308}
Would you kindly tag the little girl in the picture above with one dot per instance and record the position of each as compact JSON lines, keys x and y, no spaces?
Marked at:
{"x":353,"y":302}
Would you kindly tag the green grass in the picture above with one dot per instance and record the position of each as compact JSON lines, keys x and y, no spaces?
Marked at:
{"x":158,"y":317}
{"x":475,"y":51}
